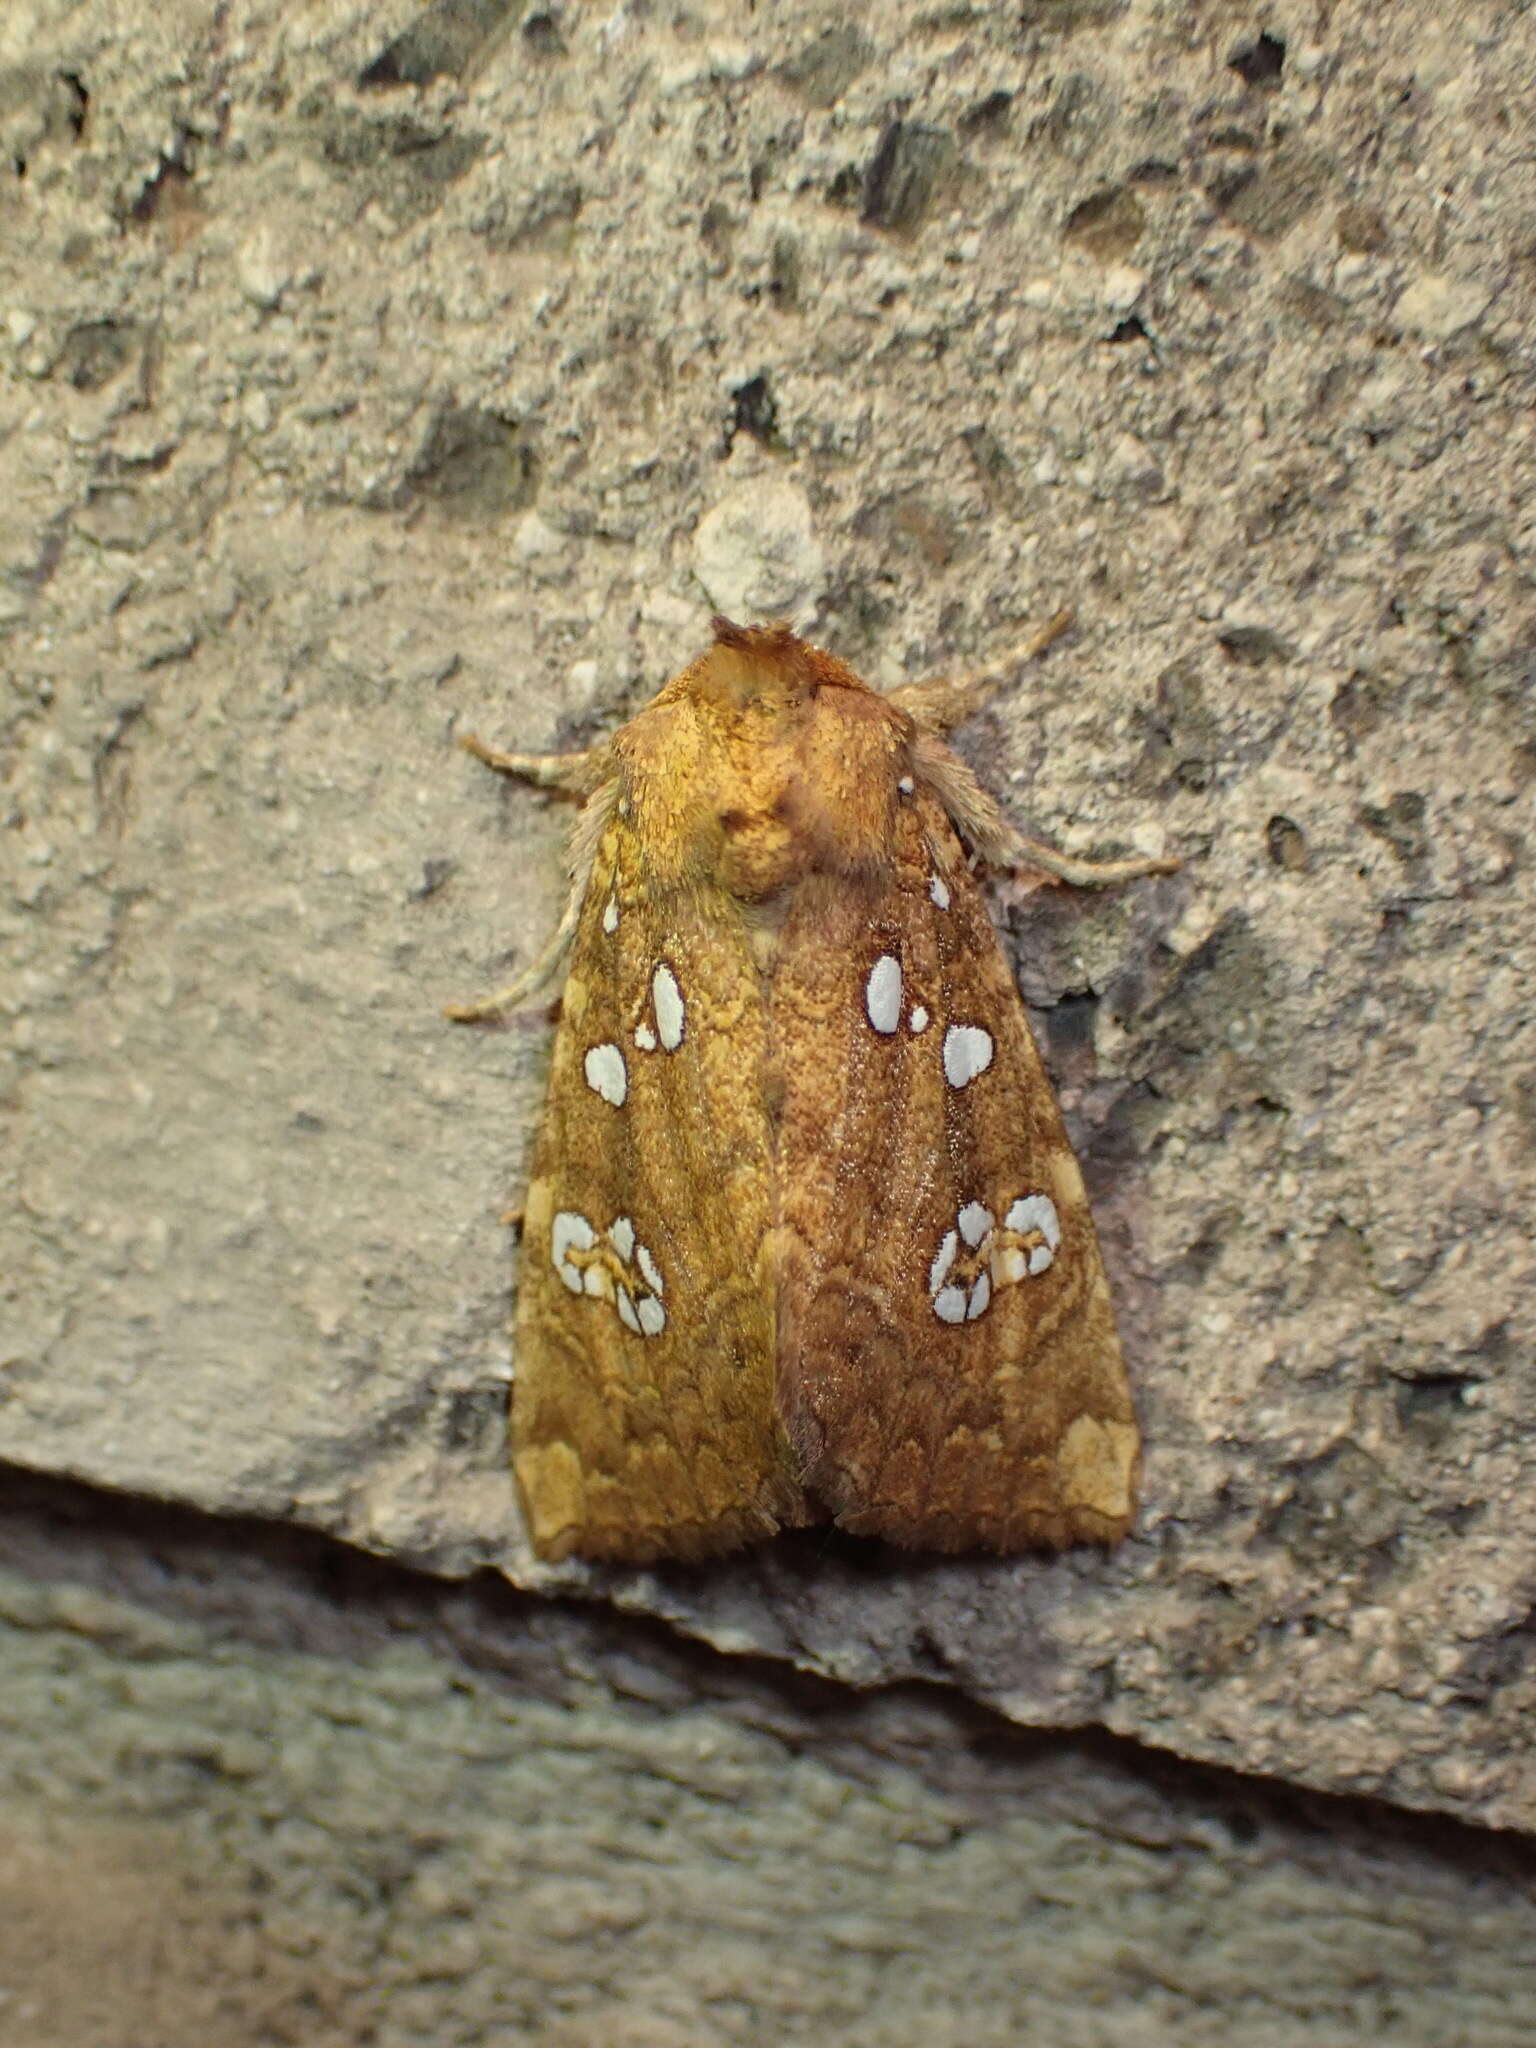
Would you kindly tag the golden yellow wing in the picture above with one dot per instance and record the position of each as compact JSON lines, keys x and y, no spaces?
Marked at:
{"x":643,"y":1414}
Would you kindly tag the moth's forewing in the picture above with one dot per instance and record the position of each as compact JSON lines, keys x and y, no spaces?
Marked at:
{"x":643,"y":1418}
{"x":951,"y":1381}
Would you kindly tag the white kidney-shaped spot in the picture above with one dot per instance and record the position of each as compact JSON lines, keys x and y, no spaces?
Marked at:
{"x":975,"y":1220}
{"x":611,"y":914}
{"x":667,"y":999}
{"x":938,"y":890}
{"x":967,"y":1053}
{"x":961,"y":1286}
{"x":606,"y":1073}
{"x":919,"y":1018}
{"x":952,"y":1301}
{"x":1036,"y":1213}
{"x":609,"y":1274}
{"x":882,"y":994}
{"x":570,"y":1231}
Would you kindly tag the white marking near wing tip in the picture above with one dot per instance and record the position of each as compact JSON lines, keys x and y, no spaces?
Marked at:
{"x":606,"y":1073}
{"x":949,"y":1304}
{"x":967,"y":1053}
{"x":1037,"y":1213}
{"x":906,"y":785}
{"x":653,"y":1317}
{"x":938,"y":891}
{"x":651,"y":1270}
{"x":919,"y":1018}
{"x":645,"y":1038}
{"x":670,"y":1012}
{"x":882,"y":994}
{"x":627,"y":1314}
{"x":621,"y":1235}
{"x":570,"y":1231}
{"x":975,"y":1220}
{"x":981,"y":1294}
{"x":611,"y":914}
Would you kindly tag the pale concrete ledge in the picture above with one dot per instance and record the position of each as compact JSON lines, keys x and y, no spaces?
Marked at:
{"x":255,"y":1788}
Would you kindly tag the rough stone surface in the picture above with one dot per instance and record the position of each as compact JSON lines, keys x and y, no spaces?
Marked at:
{"x":253,"y":1791}
{"x":368,"y":373}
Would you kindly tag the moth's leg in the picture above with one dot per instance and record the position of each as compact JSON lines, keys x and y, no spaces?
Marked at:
{"x":502,"y":1002}
{"x":595,"y":813}
{"x":1021,"y":852}
{"x":977,"y":817}
{"x":942,"y":705}
{"x":570,"y":774}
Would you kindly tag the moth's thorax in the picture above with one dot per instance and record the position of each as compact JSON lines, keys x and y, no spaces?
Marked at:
{"x":762,"y":764}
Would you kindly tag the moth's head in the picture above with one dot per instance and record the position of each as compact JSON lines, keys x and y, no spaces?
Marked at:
{"x":765,"y":667}
{"x":768,"y":759}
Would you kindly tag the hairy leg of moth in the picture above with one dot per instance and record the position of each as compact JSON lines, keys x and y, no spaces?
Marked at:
{"x":569,"y":774}
{"x":940,"y":706}
{"x":1083,"y":874}
{"x":590,"y":826}
{"x":948,"y":702}
{"x":979,"y":820}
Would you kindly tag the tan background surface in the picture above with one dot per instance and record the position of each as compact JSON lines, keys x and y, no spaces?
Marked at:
{"x":358,"y":387}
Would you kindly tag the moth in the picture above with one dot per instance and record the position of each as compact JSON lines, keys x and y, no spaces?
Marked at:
{"x":804,"y":1239}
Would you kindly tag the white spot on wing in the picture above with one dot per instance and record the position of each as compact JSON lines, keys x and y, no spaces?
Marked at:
{"x":1037,"y":1213}
{"x":611,"y":914}
{"x":949,"y":1304}
{"x":967,"y":1053}
{"x":882,"y":994}
{"x":606,"y":1073}
{"x":645,"y":1038}
{"x":939,"y":891}
{"x":977,"y":1257}
{"x":608,"y":1273}
{"x":919,"y":1018}
{"x":906,"y":785}
{"x":975,"y":1220}
{"x":569,"y":1232}
{"x":670,"y":1014}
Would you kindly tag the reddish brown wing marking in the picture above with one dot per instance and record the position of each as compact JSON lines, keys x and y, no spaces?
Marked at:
{"x":947,"y":1381}
{"x":643,"y":1415}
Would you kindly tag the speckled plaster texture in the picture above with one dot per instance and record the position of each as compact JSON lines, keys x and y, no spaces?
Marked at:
{"x":256,"y":1791}
{"x":369,"y":374}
